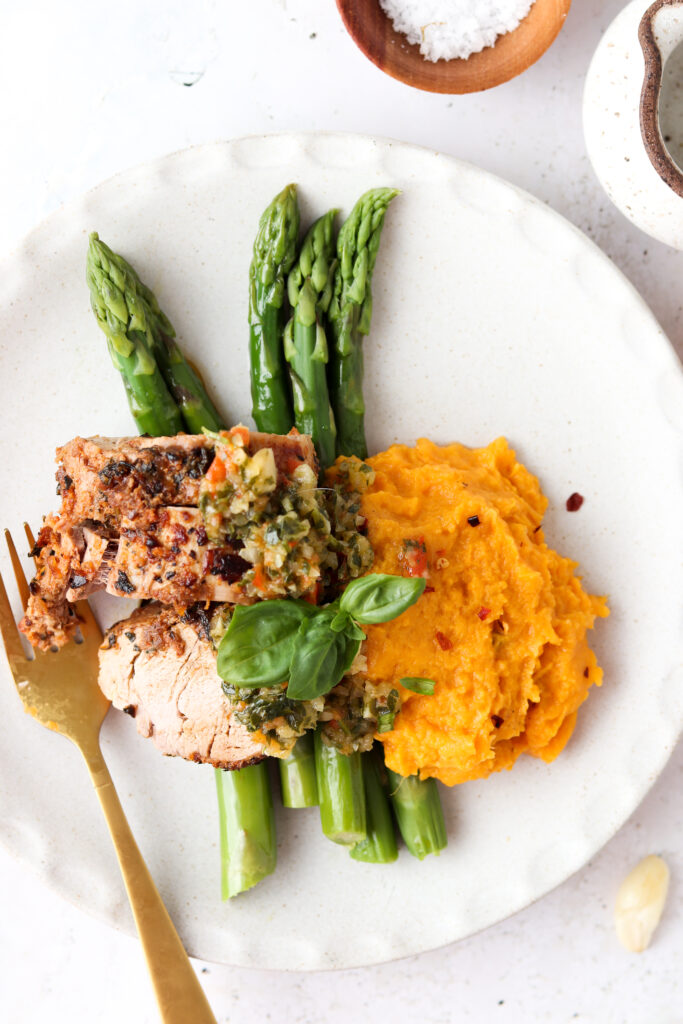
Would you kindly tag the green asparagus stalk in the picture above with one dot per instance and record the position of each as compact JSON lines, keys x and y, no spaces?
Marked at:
{"x":124,"y":317}
{"x":341,"y":792}
{"x":247,"y":828}
{"x":247,"y":824}
{"x":379,"y":847}
{"x":418,"y":812}
{"x":297,"y":774}
{"x":309,"y":288}
{"x":274,"y":254}
{"x":417,"y":805}
{"x":350,"y":313}
{"x":183,"y":382}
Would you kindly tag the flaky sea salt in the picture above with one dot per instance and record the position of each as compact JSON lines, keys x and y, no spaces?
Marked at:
{"x":446,"y":29}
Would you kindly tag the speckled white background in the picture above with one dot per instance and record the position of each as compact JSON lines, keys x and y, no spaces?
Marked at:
{"x":88,"y":91}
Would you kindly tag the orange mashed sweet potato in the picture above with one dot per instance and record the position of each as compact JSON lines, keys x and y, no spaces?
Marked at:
{"x":501,"y":627}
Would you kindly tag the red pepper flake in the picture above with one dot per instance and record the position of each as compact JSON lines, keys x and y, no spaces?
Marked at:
{"x":473,"y":520}
{"x":574,"y":502}
{"x":497,"y":721}
{"x":484,"y":613}
{"x":428,"y":590}
{"x":440,"y":552}
{"x":538,"y":528}
{"x":442,"y":640}
{"x":586,"y":673}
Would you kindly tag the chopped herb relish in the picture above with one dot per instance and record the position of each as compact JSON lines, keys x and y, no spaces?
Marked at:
{"x":300,"y":539}
{"x":295,"y":536}
{"x":269,"y":711}
{"x":355,"y":710}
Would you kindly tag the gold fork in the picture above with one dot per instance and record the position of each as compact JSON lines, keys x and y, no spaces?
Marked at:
{"x":61,"y":692}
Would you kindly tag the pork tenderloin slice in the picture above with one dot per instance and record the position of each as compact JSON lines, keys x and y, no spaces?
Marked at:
{"x":104,"y":478}
{"x":170,"y":561}
{"x":49,"y":621}
{"x":159,"y":669}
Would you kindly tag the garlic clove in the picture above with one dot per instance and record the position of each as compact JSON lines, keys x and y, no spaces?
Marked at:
{"x":640,"y":902}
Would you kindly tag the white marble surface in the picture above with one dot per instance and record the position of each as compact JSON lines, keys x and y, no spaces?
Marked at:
{"x":88,"y":91}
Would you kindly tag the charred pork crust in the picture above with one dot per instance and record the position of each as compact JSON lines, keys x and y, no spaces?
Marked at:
{"x":199,"y":618}
{"x":158,"y":473}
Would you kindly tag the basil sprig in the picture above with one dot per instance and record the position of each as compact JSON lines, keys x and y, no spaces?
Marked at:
{"x":275,"y":641}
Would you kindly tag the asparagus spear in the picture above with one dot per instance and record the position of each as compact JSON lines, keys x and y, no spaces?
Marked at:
{"x":297,"y":775}
{"x":418,"y":811}
{"x":341,"y":792}
{"x":129,"y":314}
{"x":183,"y":382}
{"x":247,"y":828}
{"x":309,"y":287}
{"x":417,"y":804}
{"x":350,"y":313}
{"x":379,"y":847}
{"x":274,"y":254}
{"x":123,"y":315}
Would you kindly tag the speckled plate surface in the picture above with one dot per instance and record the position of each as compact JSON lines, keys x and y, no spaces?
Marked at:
{"x":492,"y":316}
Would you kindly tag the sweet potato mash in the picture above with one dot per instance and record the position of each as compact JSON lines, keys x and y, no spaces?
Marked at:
{"x":501,"y":626}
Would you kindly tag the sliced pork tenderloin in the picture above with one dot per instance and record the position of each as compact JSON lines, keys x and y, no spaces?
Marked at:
{"x":102,"y":478}
{"x":129,"y":522}
{"x":160,"y":668}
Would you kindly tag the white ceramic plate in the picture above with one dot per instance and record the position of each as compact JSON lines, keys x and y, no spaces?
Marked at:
{"x":492,"y":315}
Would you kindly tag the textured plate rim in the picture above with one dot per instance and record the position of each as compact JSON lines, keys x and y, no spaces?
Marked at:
{"x":584,"y":850}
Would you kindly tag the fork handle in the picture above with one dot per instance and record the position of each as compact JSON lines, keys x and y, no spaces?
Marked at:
{"x":176,"y":986}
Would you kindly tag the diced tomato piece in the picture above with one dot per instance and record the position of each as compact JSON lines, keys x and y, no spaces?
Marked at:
{"x":241,"y":432}
{"x":414,"y":557}
{"x":259,"y":578}
{"x":216,"y":473}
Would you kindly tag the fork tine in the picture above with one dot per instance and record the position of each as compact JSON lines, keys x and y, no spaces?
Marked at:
{"x":8,"y":628}
{"x":19,"y":576}
{"x":29,"y":537}
{"x":88,"y":620}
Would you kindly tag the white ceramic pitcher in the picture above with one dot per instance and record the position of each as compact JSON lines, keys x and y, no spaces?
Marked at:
{"x":633,"y":116}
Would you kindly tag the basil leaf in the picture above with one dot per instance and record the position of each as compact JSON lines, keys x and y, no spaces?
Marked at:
{"x":380,"y":598}
{"x":257,"y":648}
{"x":321,"y":657}
{"x":353,"y":631}
{"x":340,"y":621}
{"x":419,"y":685}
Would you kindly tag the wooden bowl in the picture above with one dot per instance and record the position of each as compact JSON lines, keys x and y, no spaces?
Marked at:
{"x":374,"y":34}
